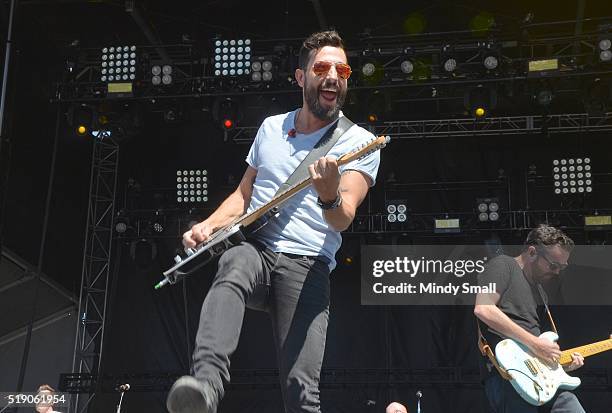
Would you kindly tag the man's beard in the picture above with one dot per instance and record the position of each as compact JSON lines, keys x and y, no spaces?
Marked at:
{"x":312,"y":100}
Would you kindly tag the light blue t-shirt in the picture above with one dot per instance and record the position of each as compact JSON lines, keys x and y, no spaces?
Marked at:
{"x":300,"y":228}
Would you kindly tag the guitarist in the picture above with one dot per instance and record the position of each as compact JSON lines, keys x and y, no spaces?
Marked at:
{"x":515,"y":312}
{"x":291,"y":256}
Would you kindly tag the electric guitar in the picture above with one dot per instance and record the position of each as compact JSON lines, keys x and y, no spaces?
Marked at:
{"x":535,"y":381}
{"x":234,"y":233}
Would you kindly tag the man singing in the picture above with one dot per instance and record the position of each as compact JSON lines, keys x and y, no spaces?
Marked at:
{"x":291,"y":256}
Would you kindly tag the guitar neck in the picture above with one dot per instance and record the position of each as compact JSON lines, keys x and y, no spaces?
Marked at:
{"x":586,"y":350}
{"x":277,"y":200}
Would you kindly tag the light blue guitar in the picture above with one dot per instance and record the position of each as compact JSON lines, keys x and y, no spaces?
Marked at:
{"x":534,"y":380}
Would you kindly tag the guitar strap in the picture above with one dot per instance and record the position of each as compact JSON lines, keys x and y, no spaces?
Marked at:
{"x":327,"y":141}
{"x":544,"y":298}
{"x":485,"y":348}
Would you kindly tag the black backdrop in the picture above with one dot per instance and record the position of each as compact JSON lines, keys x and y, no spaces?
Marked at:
{"x":146,"y":334}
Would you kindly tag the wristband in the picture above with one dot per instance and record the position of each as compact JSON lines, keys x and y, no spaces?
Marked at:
{"x":332,"y":204}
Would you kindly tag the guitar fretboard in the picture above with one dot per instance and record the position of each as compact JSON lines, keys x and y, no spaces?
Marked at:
{"x":586,"y":350}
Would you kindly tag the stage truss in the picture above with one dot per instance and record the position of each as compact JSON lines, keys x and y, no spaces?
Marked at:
{"x":96,"y":263}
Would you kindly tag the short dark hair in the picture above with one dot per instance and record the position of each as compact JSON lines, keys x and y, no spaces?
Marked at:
{"x":548,"y":235}
{"x":317,"y":41}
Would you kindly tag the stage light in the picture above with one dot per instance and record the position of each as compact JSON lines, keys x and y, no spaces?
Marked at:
{"x":402,"y":213}
{"x":158,"y":223}
{"x":368,"y":69}
{"x":226,"y":112}
{"x":167,"y":74}
{"x":232,"y":57}
{"x":376,"y":107}
{"x":156,"y":71}
{"x":572,"y":176}
{"x":262,"y":70}
{"x":490,"y":56}
{"x":191,"y":186}
{"x":605,"y":54}
{"x":161,"y":75}
{"x":118,"y":64}
{"x":450,"y":64}
{"x":480,"y":100}
{"x":447,"y":60}
{"x":407,"y":66}
{"x":170,"y":115}
{"x":490,"y":62}
{"x":122,"y":222}
{"x":488,"y":209}
{"x":80,"y":118}
{"x":544,"y":97}
{"x":396,"y":210}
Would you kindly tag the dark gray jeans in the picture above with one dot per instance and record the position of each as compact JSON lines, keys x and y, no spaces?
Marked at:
{"x":294,"y":290}
{"x":504,"y":399}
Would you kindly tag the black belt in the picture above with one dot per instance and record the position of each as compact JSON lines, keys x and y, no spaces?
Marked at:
{"x":321,"y":258}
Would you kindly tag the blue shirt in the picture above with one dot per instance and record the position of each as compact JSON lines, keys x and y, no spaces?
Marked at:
{"x":300,"y":228}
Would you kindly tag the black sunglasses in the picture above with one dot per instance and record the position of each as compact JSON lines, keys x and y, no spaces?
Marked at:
{"x":554,"y":266}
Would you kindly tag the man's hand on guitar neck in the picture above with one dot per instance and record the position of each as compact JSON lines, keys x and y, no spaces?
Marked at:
{"x":577,"y":362}
{"x":352,"y":187}
{"x":325,"y":178}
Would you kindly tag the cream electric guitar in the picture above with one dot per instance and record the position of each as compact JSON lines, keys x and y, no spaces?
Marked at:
{"x":535,"y":381}
{"x":235,"y":232}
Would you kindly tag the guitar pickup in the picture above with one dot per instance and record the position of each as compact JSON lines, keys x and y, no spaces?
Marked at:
{"x":531,"y":367}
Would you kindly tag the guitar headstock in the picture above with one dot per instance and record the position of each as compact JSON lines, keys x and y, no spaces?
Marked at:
{"x":365,"y":149}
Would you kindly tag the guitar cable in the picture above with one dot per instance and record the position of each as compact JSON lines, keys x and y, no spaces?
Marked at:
{"x":536,"y":385}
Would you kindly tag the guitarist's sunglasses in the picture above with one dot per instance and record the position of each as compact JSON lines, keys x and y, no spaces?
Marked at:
{"x":552,"y":265}
{"x":322,"y":67}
